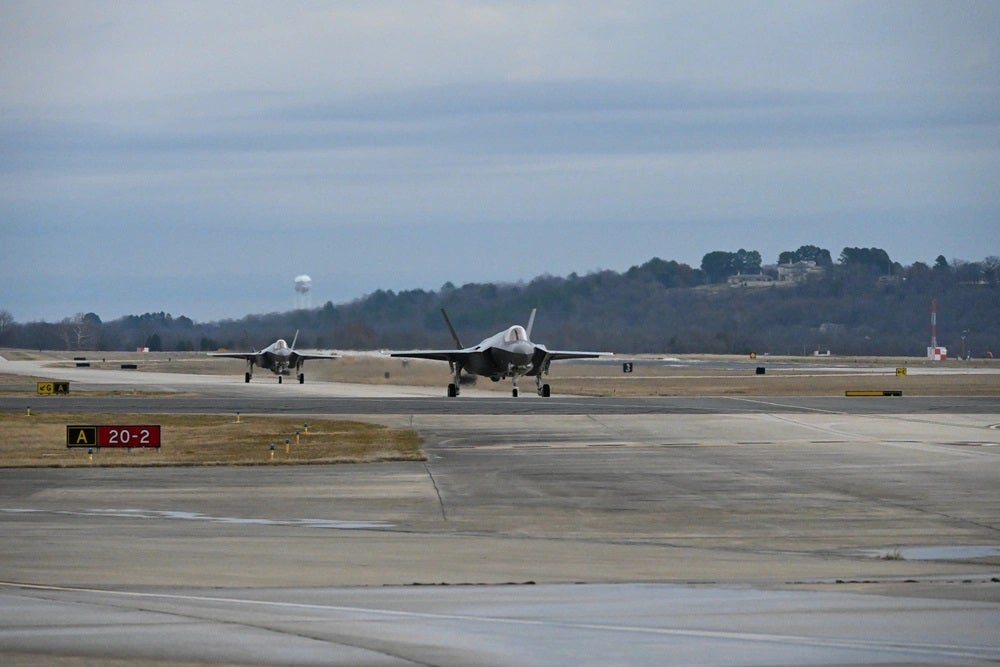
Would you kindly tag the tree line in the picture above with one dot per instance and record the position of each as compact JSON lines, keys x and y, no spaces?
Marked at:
{"x":862,"y":303}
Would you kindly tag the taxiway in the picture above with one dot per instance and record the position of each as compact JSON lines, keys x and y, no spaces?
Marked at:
{"x":563,"y":531}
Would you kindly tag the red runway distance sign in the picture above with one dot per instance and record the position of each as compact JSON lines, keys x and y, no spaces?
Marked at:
{"x":131,"y":436}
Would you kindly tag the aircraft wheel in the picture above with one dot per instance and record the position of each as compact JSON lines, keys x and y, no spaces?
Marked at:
{"x":452,"y":391}
{"x":514,"y":392}
{"x":247,"y":379}
{"x":546,"y":390}
{"x":302,"y":378}
{"x":279,"y":379}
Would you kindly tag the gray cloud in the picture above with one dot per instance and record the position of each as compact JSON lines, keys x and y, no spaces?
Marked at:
{"x":156,"y":143}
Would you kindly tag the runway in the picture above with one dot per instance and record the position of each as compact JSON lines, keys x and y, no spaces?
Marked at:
{"x":563,"y":531}
{"x":651,"y":625}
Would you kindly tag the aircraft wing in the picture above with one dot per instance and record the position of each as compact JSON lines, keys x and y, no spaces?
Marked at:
{"x":296,"y":355}
{"x":556,"y":355}
{"x":235,"y":355}
{"x":440,"y":355}
{"x":544,"y":355}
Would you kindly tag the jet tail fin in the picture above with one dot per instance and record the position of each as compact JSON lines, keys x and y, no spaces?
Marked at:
{"x":454,"y":336}
{"x":531,"y":322}
{"x":247,"y":342}
{"x":295,"y":338}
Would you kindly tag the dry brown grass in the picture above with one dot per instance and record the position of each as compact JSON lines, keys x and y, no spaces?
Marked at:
{"x":39,"y":439}
{"x":721,"y":376}
{"x":777,"y":383}
{"x":699,"y":375}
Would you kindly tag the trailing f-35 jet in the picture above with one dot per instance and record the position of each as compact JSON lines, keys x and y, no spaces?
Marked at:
{"x":279,"y":357}
{"x":508,"y":353}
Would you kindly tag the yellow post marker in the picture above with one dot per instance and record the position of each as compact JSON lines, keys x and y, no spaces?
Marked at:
{"x":90,"y":455}
{"x":237,"y":416}
{"x":272,"y":451}
{"x":287,"y":446}
{"x":296,"y":437}
{"x":305,"y":428}
{"x":29,"y":410}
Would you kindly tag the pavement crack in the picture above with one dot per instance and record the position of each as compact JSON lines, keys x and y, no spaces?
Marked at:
{"x":437,"y":491}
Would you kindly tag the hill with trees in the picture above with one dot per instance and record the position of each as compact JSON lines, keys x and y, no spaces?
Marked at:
{"x":862,"y":304}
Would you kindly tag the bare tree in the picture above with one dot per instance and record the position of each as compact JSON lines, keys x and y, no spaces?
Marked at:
{"x":6,"y":321}
{"x":80,"y":332}
{"x":991,"y":269}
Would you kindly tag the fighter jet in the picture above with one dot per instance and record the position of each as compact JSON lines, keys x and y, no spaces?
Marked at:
{"x":508,"y":353}
{"x":279,"y":357}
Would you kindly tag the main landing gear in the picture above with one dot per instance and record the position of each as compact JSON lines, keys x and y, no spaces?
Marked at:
{"x":456,"y":373}
{"x":543,"y":390}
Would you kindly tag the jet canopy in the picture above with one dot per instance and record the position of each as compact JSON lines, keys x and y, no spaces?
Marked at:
{"x":515,"y":334}
{"x":280,"y":344}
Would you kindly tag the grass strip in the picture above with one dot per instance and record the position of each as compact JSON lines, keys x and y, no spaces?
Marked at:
{"x":39,"y":440}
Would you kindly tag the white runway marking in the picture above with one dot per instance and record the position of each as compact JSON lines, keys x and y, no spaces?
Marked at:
{"x":197,"y":516}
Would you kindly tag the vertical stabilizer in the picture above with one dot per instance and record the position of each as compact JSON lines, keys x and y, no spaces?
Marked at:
{"x":454,"y":336}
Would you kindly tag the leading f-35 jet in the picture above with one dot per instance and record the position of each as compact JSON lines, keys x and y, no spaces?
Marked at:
{"x":279,"y":357}
{"x":508,"y":353}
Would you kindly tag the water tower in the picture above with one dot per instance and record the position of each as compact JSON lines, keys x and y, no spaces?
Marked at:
{"x":303,"y":285}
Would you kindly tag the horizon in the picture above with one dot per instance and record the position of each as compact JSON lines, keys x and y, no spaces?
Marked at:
{"x":295,"y":302}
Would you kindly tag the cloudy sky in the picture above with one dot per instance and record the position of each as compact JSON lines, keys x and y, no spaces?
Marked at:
{"x":194,"y":157}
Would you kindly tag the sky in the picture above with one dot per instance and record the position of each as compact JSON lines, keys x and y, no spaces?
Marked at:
{"x":194,"y":158}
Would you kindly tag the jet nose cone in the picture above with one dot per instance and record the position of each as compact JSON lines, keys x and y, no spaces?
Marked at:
{"x":523,"y":350}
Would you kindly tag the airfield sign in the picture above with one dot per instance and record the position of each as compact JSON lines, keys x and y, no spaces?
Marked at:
{"x":131,"y":436}
{"x":49,"y":387}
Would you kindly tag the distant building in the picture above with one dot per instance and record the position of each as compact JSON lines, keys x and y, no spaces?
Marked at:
{"x":796,"y":272}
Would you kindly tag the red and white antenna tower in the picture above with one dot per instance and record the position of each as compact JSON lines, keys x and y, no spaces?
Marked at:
{"x":934,"y":323}
{"x":934,"y":352}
